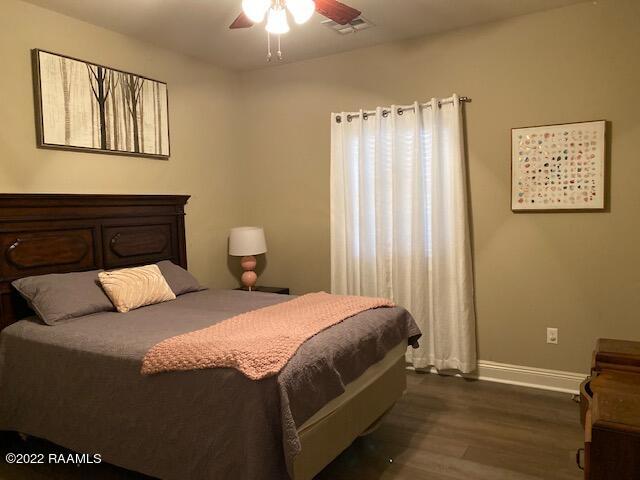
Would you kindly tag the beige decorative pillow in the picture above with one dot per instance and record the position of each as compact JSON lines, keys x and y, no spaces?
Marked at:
{"x":131,"y":288}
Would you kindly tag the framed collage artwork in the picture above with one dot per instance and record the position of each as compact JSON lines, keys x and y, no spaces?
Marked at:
{"x":558,"y":167}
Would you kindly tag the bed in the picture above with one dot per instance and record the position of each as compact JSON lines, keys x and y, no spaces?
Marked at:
{"x":78,"y":384}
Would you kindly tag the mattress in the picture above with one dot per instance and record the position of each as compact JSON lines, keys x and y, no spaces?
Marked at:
{"x":354,"y":413}
{"x":373,"y":373}
{"x":78,"y":384}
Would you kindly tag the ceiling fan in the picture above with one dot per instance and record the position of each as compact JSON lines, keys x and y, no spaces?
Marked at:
{"x":255,"y":11}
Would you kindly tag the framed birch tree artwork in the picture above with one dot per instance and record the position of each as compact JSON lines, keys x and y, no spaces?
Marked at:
{"x":558,"y":167}
{"x":84,"y":106}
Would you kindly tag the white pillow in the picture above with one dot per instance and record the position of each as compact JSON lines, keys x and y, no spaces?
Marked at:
{"x":131,"y":288}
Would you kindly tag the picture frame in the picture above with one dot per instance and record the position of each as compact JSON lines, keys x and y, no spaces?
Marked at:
{"x":83,"y":106}
{"x":559,"y":167}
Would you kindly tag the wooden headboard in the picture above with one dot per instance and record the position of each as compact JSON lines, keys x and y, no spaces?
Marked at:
{"x":59,"y":233}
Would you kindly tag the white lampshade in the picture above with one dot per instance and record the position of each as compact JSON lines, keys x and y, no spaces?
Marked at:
{"x":245,"y":241}
{"x":255,"y":10}
{"x":302,"y":10}
{"x":277,"y":23}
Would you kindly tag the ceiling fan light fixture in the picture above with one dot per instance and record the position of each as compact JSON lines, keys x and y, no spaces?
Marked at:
{"x":277,"y":23}
{"x":302,"y":10}
{"x":255,"y":10}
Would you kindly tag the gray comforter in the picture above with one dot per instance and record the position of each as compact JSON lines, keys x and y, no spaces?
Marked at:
{"x":78,"y":384}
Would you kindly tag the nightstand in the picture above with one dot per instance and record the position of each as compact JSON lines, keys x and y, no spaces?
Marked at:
{"x":280,"y":290}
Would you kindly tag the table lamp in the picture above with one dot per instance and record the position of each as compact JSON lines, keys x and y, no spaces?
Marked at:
{"x":246,"y":242}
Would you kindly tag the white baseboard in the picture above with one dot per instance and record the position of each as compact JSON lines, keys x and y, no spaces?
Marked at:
{"x":555,"y":380}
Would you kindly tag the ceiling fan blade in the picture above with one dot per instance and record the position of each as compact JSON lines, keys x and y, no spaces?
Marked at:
{"x":242,"y":21}
{"x":336,"y":11}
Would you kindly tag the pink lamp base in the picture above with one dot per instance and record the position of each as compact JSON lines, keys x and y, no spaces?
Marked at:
{"x":249,"y":277}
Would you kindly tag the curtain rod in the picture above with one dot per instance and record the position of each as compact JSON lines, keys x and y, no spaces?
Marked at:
{"x":401,"y":110}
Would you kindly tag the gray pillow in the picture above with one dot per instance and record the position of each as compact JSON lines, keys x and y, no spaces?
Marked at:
{"x":178,"y":278}
{"x":60,"y":296}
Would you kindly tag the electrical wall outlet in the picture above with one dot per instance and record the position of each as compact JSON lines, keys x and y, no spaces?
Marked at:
{"x":552,"y":335}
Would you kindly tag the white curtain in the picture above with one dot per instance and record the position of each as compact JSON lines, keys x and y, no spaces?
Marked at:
{"x":399,"y":222}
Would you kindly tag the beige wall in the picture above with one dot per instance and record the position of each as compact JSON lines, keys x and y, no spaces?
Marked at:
{"x":201,"y":113}
{"x":578,"y":272}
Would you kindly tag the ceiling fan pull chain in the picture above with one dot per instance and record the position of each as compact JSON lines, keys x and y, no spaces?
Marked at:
{"x":279,"y":49}
{"x":269,"y":55}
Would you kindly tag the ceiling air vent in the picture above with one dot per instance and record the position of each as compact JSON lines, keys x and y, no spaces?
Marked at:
{"x":354,"y":26}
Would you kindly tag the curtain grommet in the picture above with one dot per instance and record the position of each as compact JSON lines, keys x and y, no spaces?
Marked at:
{"x":385,"y":113}
{"x":400,"y":111}
{"x":365,"y":116}
{"x":349,"y":118}
{"x":338,"y":119}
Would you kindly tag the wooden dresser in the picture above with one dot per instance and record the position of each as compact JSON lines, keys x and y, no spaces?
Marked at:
{"x":610,"y":412}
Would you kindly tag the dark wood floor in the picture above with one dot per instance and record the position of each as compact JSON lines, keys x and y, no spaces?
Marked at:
{"x":448,"y":428}
{"x":445,"y":428}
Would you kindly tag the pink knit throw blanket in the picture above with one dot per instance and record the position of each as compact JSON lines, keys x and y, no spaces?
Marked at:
{"x":258,"y":343}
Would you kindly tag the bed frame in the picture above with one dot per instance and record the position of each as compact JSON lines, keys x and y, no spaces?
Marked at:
{"x":60,"y":233}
